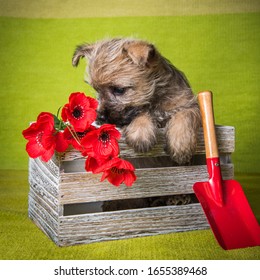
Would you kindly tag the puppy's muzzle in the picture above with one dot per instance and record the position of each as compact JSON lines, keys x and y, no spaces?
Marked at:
{"x":108,"y":117}
{"x":101,"y":118}
{"x":121,"y":118}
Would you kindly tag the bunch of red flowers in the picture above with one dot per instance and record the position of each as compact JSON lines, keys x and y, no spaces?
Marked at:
{"x":99,"y":145}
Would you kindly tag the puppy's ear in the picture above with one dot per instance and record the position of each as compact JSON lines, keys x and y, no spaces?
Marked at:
{"x":82,"y":51}
{"x":140,"y":52}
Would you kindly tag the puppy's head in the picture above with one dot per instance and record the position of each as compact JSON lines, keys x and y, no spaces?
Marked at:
{"x":122,"y":71}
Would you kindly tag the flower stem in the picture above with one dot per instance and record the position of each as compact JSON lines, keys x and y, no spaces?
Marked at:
{"x":74,"y":134}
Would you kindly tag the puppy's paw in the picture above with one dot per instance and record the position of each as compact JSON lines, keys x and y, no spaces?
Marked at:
{"x":181,"y":135}
{"x":140,"y":134}
{"x":181,"y":154}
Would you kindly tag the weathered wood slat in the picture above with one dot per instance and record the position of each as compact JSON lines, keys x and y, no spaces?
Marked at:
{"x":86,"y":187}
{"x":51,"y":209}
{"x":43,"y":173}
{"x":225,"y":138}
{"x":41,"y":182}
{"x":50,"y":168}
{"x":43,"y":203}
{"x":81,"y":229}
{"x":43,"y":219}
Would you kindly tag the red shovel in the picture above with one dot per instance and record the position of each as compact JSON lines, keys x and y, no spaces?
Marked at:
{"x":223,"y":201}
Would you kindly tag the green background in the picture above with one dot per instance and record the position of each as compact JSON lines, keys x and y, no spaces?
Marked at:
{"x":216,"y":44}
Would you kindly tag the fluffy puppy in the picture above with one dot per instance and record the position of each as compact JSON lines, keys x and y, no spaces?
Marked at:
{"x":140,"y":91}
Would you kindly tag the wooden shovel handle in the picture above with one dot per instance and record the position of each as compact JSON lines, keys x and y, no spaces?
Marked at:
{"x":206,"y":108}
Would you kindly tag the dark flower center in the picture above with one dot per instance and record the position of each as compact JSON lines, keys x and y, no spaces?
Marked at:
{"x":115,"y":170}
{"x":78,"y":112}
{"x":82,"y":134}
{"x":104,"y":137}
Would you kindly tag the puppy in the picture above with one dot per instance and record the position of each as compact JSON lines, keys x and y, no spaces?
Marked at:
{"x":140,"y":91}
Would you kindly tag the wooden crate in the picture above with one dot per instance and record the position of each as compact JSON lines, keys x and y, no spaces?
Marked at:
{"x":67,"y":203}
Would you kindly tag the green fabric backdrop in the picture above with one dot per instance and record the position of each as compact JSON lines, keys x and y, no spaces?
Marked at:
{"x":215,"y":43}
{"x":217,"y":52}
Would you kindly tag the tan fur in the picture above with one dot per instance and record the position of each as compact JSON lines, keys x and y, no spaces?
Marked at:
{"x":181,"y":135}
{"x":141,"y":133}
{"x":139,"y":90}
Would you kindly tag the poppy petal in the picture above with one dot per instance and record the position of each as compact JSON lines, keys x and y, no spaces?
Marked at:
{"x":33,"y":149}
{"x":47,"y":155}
{"x":130,"y":178}
{"x":116,"y":180}
{"x":64,"y":112}
{"x":61,"y":143}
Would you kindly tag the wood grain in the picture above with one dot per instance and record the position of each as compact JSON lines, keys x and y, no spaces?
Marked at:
{"x":225,"y":140}
{"x":88,"y":228}
{"x":86,"y":187}
{"x":205,"y":100}
{"x":52,"y":187}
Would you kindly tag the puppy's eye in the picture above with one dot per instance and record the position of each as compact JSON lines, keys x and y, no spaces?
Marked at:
{"x":118,"y":90}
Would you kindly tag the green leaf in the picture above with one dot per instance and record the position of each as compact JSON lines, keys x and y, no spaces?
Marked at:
{"x":59,"y":124}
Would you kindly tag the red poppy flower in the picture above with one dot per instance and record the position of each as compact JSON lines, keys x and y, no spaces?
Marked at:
{"x":93,"y":164}
{"x":61,"y":142}
{"x":75,"y":140}
{"x":102,"y":142}
{"x":43,"y":139}
{"x":80,"y":111}
{"x":118,"y":171}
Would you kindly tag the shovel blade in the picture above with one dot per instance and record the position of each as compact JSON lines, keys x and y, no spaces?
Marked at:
{"x":233,"y":223}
